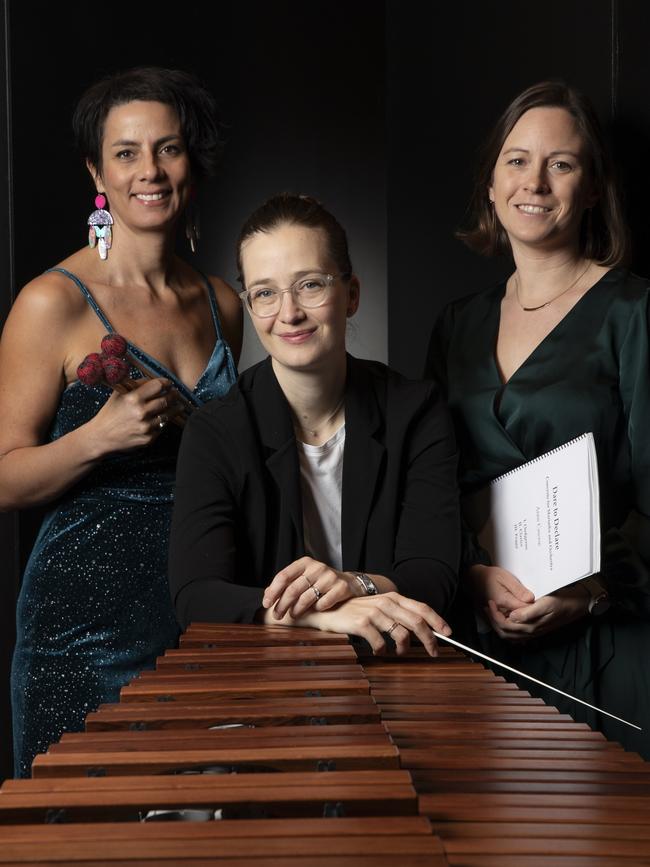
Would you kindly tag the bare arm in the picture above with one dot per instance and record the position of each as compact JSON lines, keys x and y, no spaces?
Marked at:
{"x":37,"y":348}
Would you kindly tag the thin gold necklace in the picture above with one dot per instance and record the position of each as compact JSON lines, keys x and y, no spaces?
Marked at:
{"x":314,"y":431}
{"x":555,"y":297}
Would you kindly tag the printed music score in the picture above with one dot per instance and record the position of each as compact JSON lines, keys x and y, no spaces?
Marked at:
{"x":541,"y":521}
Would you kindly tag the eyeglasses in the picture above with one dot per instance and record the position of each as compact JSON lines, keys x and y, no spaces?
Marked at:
{"x":310,"y":291}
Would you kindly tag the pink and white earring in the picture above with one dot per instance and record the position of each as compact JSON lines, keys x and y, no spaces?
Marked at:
{"x":100,"y":233}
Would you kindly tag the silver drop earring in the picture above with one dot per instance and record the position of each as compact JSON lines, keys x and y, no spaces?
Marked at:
{"x":192,"y":229}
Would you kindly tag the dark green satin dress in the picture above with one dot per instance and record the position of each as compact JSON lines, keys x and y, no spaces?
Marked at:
{"x":591,"y":373}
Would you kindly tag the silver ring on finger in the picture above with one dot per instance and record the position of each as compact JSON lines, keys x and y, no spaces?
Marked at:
{"x":393,"y":626}
{"x":162,"y":421}
{"x":317,"y":592}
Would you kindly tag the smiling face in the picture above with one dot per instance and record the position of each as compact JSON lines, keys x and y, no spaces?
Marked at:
{"x":298,"y":338}
{"x":145,"y":166}
{"x":541,"y":183}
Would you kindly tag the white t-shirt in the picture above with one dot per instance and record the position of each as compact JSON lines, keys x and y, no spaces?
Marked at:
{"x":321,"y":482}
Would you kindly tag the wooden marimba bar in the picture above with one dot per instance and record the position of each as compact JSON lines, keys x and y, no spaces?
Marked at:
{"x":311,"y":755}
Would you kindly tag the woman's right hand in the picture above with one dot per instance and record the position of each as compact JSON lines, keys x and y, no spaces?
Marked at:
{"x":133,"y":419}
{"x":492,"y":583}
{"x":42,"y":342}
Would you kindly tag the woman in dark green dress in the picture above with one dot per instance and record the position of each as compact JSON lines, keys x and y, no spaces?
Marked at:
{"x":560,"y":348}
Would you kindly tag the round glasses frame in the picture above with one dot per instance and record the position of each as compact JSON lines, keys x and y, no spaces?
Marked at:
{"x":298,"y":293}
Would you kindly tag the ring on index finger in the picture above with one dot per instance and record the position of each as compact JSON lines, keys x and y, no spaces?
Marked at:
{"x":162,"y":421}
{"x":394,"y":625}
{"x":317,"y":592}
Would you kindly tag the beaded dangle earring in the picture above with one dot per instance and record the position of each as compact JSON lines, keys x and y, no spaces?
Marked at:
{"x":100,"y":232}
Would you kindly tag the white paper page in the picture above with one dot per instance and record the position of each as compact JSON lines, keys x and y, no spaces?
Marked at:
{"x":544,"y":522}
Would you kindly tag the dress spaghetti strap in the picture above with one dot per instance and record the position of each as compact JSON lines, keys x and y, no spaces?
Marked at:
{"x":85,"y":291}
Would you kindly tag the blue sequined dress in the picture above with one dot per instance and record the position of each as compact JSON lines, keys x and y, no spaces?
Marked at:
{"x":94,"y":607}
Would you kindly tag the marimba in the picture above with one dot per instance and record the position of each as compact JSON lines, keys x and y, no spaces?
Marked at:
{"x":282,"y":746}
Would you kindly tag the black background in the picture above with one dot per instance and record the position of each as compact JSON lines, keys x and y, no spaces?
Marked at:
{"x":377,"y":108}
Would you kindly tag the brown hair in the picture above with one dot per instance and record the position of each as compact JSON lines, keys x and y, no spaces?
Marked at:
{"x":300,"y":211}
{"x":603,"y":234}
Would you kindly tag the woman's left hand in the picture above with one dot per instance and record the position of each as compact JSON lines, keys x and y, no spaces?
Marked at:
{"x":307,"y":583}
{"x":546,"y":614}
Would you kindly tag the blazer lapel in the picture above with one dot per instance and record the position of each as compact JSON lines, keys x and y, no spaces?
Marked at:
{"x":283,"y":467}
{"x":274,"y":424}
{"x":363,"y":458}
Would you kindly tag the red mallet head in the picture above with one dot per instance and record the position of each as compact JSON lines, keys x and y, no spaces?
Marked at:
{"x":115,"y":369}
{"x":91,"y":370}
{"x":114,"y":345}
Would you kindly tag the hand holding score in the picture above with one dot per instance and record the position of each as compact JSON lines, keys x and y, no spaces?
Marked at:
{"x":513,"y":611}
{"x":493,"y":584}
{"x":546,"y":614}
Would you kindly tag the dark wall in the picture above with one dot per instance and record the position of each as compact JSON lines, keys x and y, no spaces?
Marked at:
{"x":8,"y":522}
{"x":631,"y":120}
{"x":451,"y":70}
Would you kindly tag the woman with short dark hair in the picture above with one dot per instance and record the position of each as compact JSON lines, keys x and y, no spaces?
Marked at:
{"x":558,"y":349}
{"x":193,"y":105}
{"x":321,"y":491}
{"x":94,"y":605}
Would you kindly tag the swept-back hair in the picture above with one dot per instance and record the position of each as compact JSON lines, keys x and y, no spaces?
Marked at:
{"x":292,"y":209}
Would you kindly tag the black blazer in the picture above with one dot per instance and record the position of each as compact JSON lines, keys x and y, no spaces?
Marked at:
{"x":238,"y":513}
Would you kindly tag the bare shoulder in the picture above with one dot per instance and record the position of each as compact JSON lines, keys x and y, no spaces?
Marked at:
{"x":49,"y":299}
{"x":33,"y":351}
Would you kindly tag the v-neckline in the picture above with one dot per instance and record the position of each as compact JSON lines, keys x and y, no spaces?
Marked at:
{"x":161,"y":369}
{"x":503,"y":383}
{"x":148,"y":360}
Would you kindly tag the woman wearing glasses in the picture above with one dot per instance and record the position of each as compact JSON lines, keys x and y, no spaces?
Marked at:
{"x":321,"y":491}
